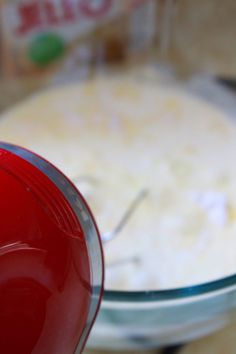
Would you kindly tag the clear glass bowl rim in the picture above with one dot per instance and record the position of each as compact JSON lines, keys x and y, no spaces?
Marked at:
{"x":170,"y":294}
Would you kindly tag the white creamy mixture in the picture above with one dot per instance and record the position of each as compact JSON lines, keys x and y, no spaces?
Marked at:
{"x":120,"y":135}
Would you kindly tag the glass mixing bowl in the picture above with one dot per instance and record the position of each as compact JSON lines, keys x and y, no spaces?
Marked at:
{"x":141,"y":320}
{"x":151,"y":319}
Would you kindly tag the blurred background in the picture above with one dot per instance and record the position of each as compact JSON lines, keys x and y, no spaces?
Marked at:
{"x":53,"y":42}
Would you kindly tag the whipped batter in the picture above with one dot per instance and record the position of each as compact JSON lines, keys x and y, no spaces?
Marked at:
{"x":118,"y":135}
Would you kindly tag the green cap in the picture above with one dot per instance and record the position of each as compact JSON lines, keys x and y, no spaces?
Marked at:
{"x":46,"y":48}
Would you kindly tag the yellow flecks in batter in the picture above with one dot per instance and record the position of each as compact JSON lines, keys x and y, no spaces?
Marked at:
{"x":89,"y":89}
{"x":173,"y":106}
{"x":180,"y":169}
{"x":231,"y":213}
{"x":219,"y":127}
{"x":127,"y":93}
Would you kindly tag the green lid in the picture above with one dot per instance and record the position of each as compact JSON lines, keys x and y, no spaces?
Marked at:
{"x":46,"y":48}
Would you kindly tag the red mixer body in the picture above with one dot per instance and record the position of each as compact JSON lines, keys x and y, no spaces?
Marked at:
{"x":45,"y":272}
